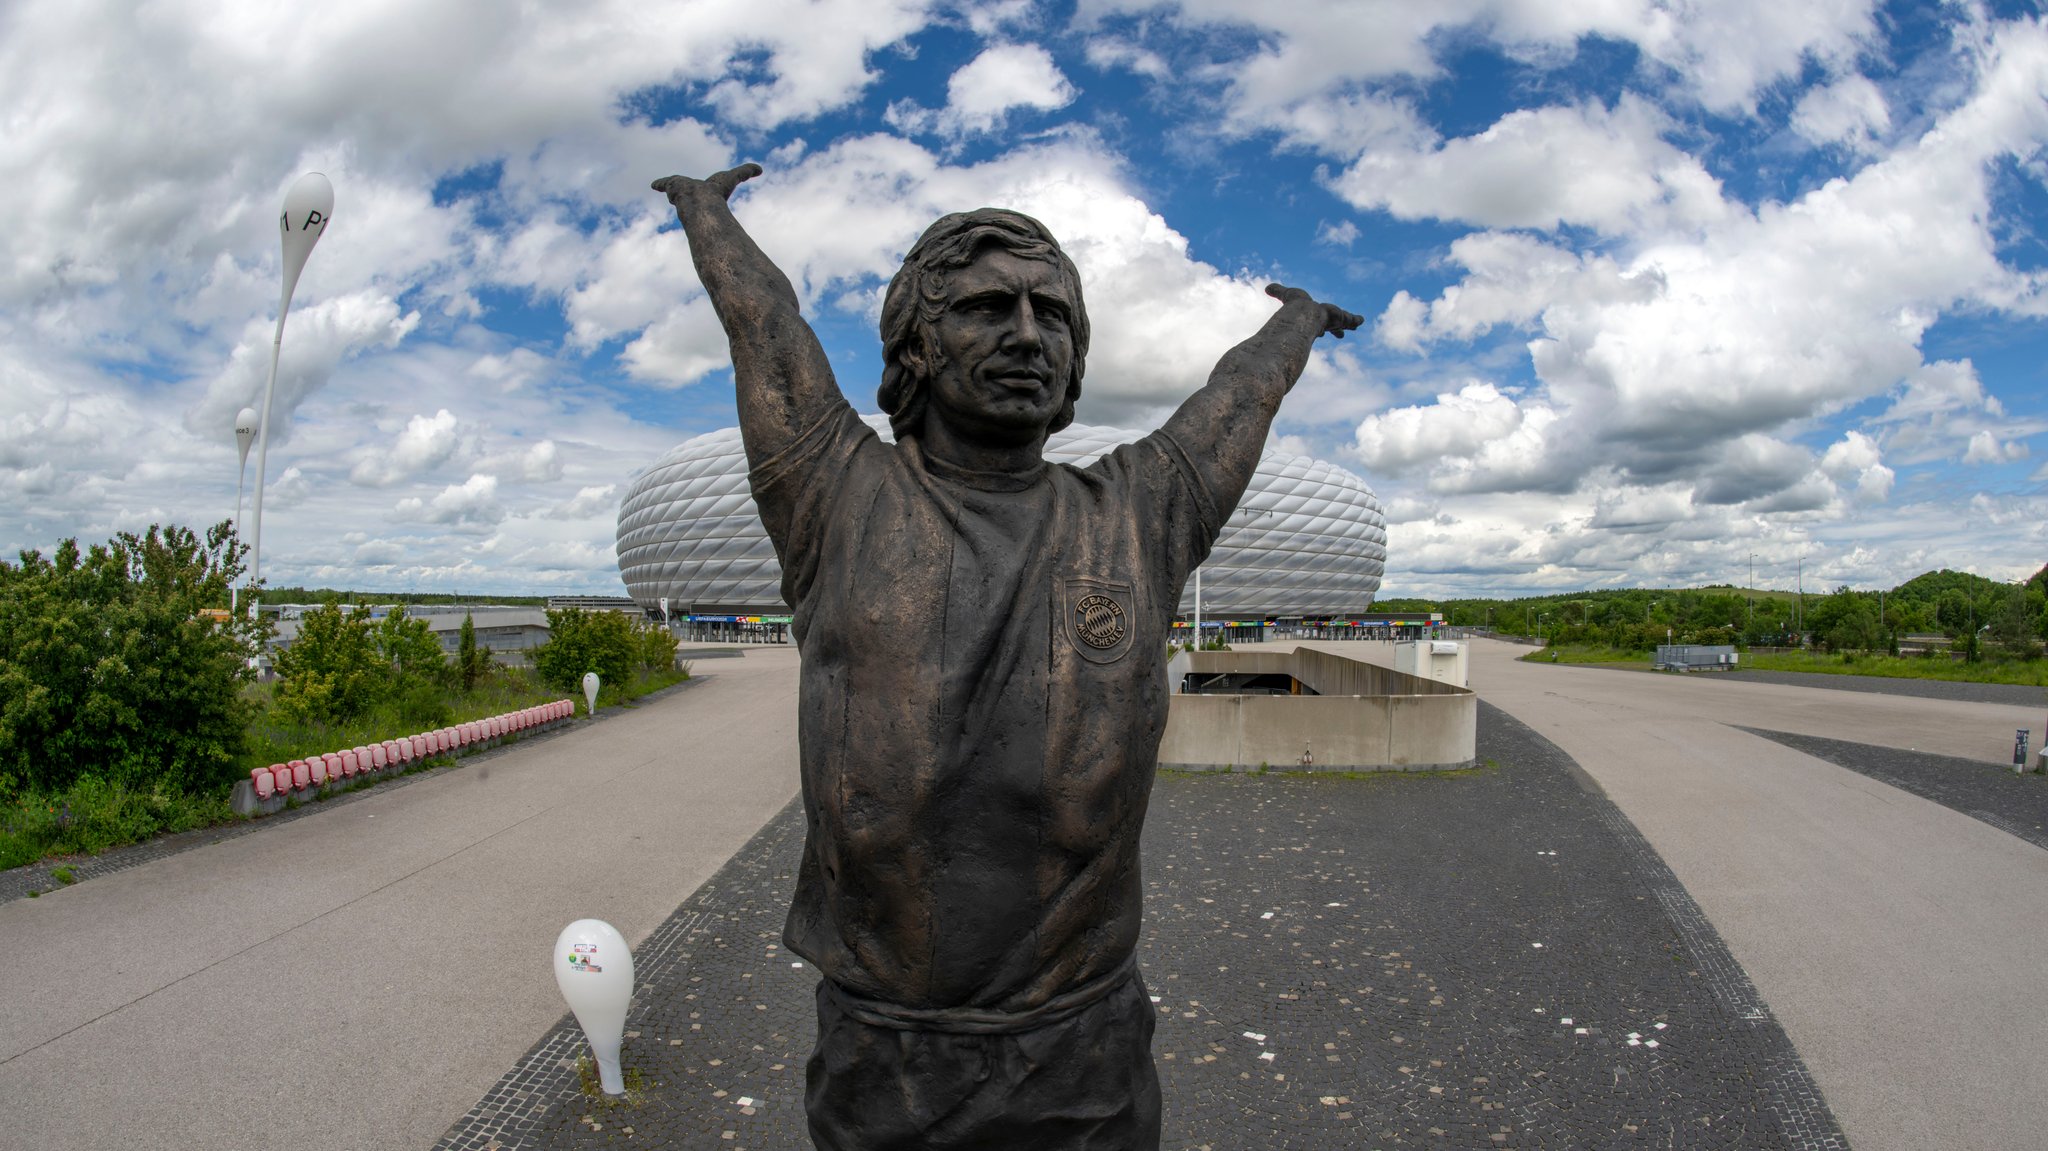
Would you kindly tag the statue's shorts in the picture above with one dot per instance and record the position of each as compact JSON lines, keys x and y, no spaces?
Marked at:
{"x":1078,"y":1077}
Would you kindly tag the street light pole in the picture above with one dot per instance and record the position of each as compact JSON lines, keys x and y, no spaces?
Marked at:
{"x":307,"y":207}
{"x":245,"y":434}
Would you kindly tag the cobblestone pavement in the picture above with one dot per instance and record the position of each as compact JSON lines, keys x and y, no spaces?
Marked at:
{"x":1491,"y":958}
{"x":2011,"y":802}
{"x":2013,"y":693}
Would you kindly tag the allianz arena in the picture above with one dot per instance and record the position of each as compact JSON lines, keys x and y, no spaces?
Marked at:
{"x":1308,"y":541}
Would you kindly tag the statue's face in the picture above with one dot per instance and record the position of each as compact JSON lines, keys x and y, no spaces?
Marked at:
{"x":1008,"y":346}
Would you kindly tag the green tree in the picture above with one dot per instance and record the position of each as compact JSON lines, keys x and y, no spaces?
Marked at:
{"x":332,"y":671}
{"x":411,"y":650}
{"x":2014,"y":621}
{"x":583,"y":641}
{"x":121,"y":662}
{"x":1845,"y":621}
{"x":472,"y":663}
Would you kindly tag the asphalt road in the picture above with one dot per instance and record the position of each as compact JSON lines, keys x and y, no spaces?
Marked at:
{"x":1899,"y":942}
{"x":358,"y":977}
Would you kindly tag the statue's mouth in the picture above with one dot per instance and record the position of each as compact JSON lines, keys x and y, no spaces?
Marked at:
{"x":1021,"y":379}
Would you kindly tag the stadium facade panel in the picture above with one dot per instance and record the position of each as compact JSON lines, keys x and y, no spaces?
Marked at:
{"x":1309,"y":539}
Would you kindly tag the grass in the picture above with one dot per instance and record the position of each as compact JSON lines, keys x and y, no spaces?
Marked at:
{"x":2026,"y":672}
{"x":592,"y":1085}
{"x":93,"y":816}
{"x":276,"y":738}
{"x":1586,"y":653}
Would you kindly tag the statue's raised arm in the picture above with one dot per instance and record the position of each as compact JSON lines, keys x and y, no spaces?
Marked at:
{"x":1223,"y":426}
{"x":783,"y":380}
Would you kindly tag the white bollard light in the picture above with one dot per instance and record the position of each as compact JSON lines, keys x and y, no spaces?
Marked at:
{"x":590,"y":691}
{"x":595,"y":972}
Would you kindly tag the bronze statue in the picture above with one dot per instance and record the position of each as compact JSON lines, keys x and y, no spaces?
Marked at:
{"x":984,"y":682}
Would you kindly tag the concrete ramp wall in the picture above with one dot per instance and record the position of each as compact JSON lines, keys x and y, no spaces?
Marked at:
{"x":1365,"y":717}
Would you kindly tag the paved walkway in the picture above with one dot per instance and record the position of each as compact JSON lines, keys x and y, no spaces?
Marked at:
{"x":362,"y":976}
{"x":1901,"y":943}
{"x":359,"y":977}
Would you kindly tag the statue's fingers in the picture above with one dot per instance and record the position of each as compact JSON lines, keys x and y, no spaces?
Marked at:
{"x":662,"y":185}
{"x":732,"y":178}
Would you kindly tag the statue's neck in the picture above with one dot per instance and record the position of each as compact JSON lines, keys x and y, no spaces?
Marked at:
{"x":942,"y":444}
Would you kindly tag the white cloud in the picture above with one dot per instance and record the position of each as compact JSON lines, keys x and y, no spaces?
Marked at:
{"x":1639,"y":509}
{"x":1341,"y":234}
{"x":535,"y":464}
{"x":379,"y":553}
{"x":981,"y":95}
{"x":290,"y":489}
{"x":319,"y":337}
{"x":1272,"y":58}
{"x":1850,"y":111}
{"x":1460,"y":423}
{"x":472,"y":502}
{"x":1986,"y":448}
{"x":1603,"y":168}
{"x":1511,"y":279}
{"x":426,"y":443}
{"x":1110,"y":52}
{"x":586,"y":503}
{"x":1751,"y":467}
{"x":1653,"y":361}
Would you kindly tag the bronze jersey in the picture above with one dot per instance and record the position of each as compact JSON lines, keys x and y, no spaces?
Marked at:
{"x":973,"y":830}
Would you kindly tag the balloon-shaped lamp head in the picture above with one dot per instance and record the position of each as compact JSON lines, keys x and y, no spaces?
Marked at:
{"x":307,"y":207}
{"x":595,"y":972}
{"x":245,"y":432}
{"x":590,"y":691}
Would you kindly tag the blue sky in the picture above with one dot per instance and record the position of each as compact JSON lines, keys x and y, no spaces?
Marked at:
{"x":1651,"y":288}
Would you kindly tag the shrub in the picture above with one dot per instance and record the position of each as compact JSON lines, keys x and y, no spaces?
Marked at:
{"x":121,"y":662}
{"x":332,"y":671}
{"x":584,"y":641}
{"x":657,"y":648}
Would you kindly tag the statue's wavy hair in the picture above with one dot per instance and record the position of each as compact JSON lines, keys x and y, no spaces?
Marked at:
{"x":917,"y":297}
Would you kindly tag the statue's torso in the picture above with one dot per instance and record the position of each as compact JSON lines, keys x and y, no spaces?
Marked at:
{"x":982,"y":700}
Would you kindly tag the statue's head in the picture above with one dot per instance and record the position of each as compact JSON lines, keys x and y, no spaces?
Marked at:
{"x":989,"y":286}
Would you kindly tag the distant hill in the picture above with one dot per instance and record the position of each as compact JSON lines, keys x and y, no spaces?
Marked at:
{"x":1929,"y":587}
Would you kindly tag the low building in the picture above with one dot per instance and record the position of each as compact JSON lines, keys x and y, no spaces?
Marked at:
{"x":508,"y":633}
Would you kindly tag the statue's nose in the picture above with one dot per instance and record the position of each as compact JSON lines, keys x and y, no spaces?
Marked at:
{"x":1023,"y":328}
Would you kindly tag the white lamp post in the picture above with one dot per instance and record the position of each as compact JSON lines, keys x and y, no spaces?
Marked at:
{"x":307,"y":207}
{"x":594,"y":969}
{"x":590,"y":692}
{"x":245,"y":434}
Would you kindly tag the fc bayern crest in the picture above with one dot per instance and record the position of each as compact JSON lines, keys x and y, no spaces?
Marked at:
{"x":1099,"y":619}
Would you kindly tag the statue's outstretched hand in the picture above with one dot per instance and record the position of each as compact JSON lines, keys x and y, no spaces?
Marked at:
{"x":1336,"y":321}
{"x":723,"y":183}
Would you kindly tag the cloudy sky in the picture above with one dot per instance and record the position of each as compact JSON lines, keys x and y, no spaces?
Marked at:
{"x":1653,"y":287}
